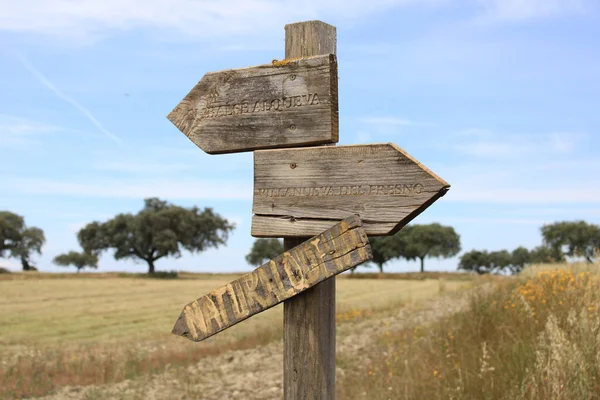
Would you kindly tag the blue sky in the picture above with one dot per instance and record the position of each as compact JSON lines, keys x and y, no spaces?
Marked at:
{"x":500,"y":98}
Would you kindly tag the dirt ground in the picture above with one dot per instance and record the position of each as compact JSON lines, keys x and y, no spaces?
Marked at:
{"x":257,"y":373}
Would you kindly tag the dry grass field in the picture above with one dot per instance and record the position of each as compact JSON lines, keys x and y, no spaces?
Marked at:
{"x":431,"y":336}
{"x":92,"y":329}
{"x":535,"y":337}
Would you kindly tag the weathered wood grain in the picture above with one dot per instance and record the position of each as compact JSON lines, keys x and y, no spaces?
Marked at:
{"x":309,"y":343}
{"x":298,"y":192}
{"x":287,"y":103}
{"x":310,"y":38}
{"x":341,"y":247}
{"x":309,"y":318}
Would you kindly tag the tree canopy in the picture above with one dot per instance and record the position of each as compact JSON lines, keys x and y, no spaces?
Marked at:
{"x":482,"y":262}
{"x":264,"y":250}
{"x":500,"y":261}
{"x":11,"y":226}
{"x":19,"y":241}
{"x":431,"y":240}
{"x":158,"y":230}
{"x":520,"y":258}
{"x":415,"y":242}
{"x":572,"y":238}
{"x":476,"y":261}
{"x":76,"y":259}
{"x":545,"y":254}
{"x":386,"y":248}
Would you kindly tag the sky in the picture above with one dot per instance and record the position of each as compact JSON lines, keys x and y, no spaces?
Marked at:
{"x":497,"y":97}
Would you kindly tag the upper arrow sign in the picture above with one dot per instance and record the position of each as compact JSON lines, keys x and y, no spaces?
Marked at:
{"x":284,"y":104}
{"x":301,"y":192}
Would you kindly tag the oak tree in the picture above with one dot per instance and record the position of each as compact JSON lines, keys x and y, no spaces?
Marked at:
{"x":431,"y":240}
{"x":572,"y":238}
{"x":76,"y":259}
{"x":521,"y":257}
{"x":159,"y":230}
{"x":385,"y":248}
{"x":476,"y":261}
{"x":19,"y":241}
{"x":264,"y":250}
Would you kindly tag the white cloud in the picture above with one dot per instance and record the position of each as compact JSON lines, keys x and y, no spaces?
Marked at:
{"x":564,"y":142}
{"x":519,"y":10}
{"x":49,"y":85}
{"x":170,"y":160}
{"x":133,"y":167}
{"x":20,"y":132}
{"x":483,"y":220}
{"x":562,"y":194}
{"x":487,"y":144}
{"x":488,"y":149}
{"x":208,"y":18}
{"x":362,"y":137}
{"x":381,"y":125}
{"x":167,"y":189}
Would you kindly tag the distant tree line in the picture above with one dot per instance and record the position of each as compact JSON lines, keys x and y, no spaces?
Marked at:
{"x":417,"y":242}
{"x":413,"y":242}
{"x":577,"y":239}
{"x":160,"y":230}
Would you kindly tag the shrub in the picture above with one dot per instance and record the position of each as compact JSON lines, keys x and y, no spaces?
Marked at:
{"x":163,"y":275}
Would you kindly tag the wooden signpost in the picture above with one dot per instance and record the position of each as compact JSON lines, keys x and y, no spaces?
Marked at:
{"x":299,"y":192}
{"x":334,"y":251}
{"x":283,"y":104}
{"x":326,"y":192}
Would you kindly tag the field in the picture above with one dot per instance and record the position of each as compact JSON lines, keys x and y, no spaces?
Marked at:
{"x":64,"y":331}
{"x":413,"y":336}
{"x":533,"y":337}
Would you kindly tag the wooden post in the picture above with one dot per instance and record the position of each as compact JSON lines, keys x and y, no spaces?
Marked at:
{"x":309,"y":318}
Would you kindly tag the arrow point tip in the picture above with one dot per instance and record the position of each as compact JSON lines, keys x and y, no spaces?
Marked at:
{"x":180,"y":328}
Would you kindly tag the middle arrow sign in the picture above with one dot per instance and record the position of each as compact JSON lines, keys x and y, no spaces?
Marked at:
{"x":301,"y":192}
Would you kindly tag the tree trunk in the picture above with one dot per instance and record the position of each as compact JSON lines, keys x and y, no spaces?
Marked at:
{"x":25,"y":263}
{"x":422,"y":264}
{"x":380,"y":268}
{"x":150,"y":266}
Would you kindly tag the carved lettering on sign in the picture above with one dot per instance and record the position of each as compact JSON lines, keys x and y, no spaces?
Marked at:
{"x":250,"y":107}
{"x":324,"y":191}
{"x":341,"y":247}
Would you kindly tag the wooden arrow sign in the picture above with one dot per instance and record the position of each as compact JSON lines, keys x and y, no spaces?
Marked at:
{"x":341,"y":247}
{"x":284,"y":104}
{"x":298,"y":192}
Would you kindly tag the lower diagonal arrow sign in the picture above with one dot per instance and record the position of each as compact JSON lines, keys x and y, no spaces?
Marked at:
{"x":339,"y":248}
{"x":300,"y":192}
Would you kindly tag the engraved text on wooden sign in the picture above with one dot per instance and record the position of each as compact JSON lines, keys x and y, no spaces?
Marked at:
{"x":341,"y":247}
{"x":300,"y":192}
{"x":287,"y":103}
